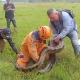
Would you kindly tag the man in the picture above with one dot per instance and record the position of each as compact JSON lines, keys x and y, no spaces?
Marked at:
{"x":9,"y":9}
{"x":32,"y":46}
{"x":62,"y":24}
{"x":5,"y":34}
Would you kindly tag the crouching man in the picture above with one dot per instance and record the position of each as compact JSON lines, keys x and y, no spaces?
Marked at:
{"x":32,"y":46}
{"x":6,"y":35}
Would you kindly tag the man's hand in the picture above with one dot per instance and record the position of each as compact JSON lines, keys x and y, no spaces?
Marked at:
{"x":9,"y":8}
{"x":57,"y":40}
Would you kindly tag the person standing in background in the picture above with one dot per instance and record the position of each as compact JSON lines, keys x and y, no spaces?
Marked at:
{"x":9,"y":9}
{"x":63,"y":25}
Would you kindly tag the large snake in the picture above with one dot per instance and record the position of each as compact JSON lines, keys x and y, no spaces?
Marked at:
{"x":46,"y":51}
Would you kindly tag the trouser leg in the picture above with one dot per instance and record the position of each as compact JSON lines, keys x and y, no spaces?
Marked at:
{"x":14,"y":22}
{"x":74,"y":41}
{"x":8,"y":22}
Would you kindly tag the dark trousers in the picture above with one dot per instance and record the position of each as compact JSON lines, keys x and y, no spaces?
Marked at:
{"x":9,"y":22}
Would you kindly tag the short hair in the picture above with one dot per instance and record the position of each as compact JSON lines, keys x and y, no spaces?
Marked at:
{"x":49,"y":11}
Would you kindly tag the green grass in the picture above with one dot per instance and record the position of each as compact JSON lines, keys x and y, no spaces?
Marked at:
{"x":29,"y":17}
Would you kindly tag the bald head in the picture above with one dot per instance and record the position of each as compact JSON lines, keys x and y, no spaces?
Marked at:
{"x":53,"y":14}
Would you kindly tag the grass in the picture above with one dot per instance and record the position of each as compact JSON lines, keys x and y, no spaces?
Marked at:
{"x":29,"y":17}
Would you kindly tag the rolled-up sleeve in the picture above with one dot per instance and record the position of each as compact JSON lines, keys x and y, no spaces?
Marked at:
{"x":68,"y":25}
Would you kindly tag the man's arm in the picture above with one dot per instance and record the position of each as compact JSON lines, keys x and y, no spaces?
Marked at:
{"x":68,"y":24}
{"x":11,"y":43}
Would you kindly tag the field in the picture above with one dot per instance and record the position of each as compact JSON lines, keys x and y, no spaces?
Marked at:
{"x":29,"y":17}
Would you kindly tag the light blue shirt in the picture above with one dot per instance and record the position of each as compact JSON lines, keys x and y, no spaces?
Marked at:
{"x":68,"y":25}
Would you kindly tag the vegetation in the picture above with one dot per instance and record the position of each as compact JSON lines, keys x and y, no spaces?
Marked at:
{"x":29,"y":17}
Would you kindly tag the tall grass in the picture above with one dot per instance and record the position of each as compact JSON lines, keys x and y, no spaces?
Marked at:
{"x":29,"y":17}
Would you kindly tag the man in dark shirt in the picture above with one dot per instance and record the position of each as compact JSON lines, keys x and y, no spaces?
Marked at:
{"x":9,"y":9}
{"x":5,"y":34}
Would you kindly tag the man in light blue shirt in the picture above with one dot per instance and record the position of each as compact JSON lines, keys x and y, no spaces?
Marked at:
{"x":62,"y":25}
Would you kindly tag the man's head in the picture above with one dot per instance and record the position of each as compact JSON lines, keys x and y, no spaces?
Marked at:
{"x":44,"y":32}
{"x":53,"y":15}
{"x":6,"y":33}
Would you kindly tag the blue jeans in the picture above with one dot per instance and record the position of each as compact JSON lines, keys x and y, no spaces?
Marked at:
{"x":74,"y":40}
